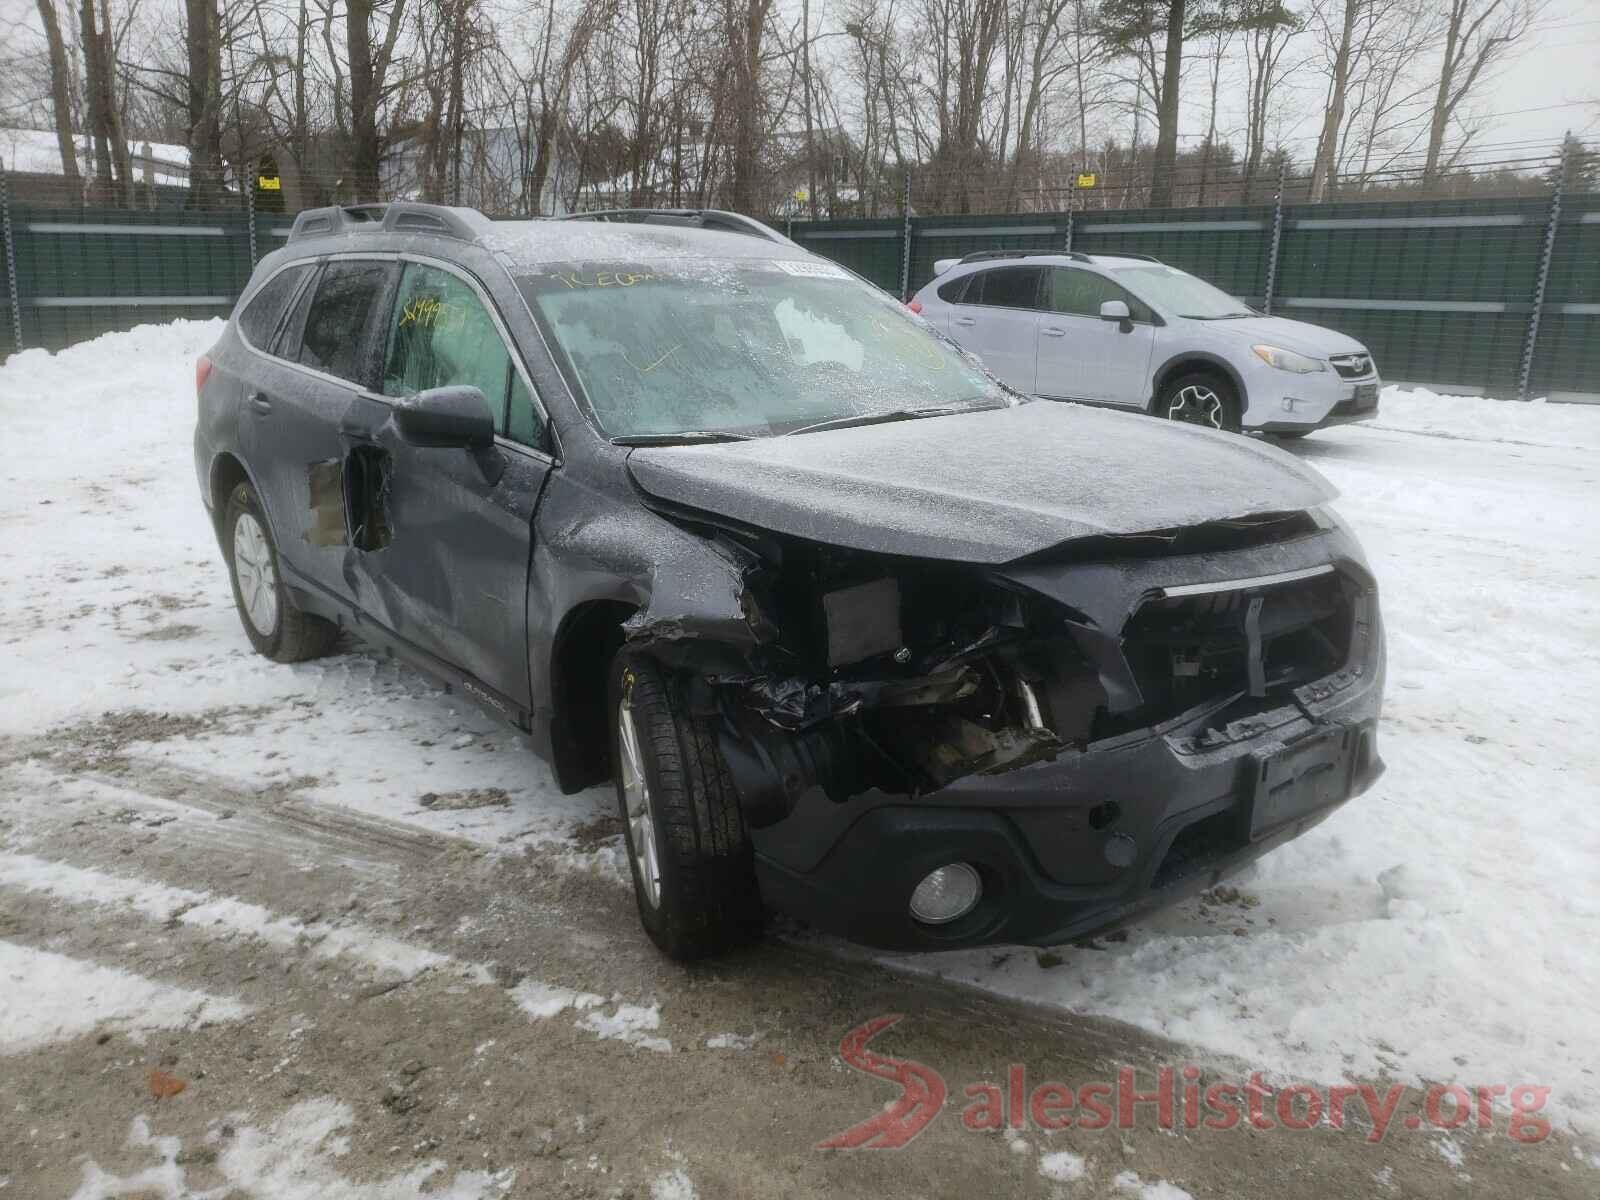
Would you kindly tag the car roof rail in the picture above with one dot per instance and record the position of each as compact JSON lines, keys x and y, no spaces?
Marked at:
{"x":400,"y":216}
{"x":694,"y":218}
{"x":986,"y":255}
{"x":1131,"y":254}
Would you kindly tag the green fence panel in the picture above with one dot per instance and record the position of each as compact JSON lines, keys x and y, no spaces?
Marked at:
{"x":1439,"y":291}
{"x":871,"y":248}
{"x":1467,"y":350}
{"x":1567,"y":357}
{"x":1461,"y":250}
{"x":1227,"y":246}
{"x":82,"y":271}
{"x":934,"y":238}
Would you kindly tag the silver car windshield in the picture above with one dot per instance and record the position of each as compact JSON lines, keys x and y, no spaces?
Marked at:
{"x":1173,"y":291}
{"x":747,"y":348}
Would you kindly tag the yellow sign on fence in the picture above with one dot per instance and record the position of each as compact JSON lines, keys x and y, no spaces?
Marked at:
{"x":1087,"y":179}
{"x":268,"y":183}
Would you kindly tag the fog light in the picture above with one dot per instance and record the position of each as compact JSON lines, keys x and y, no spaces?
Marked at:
{"x":946,"y":894}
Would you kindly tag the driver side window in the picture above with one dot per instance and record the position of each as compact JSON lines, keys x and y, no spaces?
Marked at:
{"x":1081,"y":293}
{"x":443,"y":336}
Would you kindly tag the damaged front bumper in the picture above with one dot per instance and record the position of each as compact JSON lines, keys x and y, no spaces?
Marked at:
{"x":1213,"y":740}
{"x":1077,"y":845}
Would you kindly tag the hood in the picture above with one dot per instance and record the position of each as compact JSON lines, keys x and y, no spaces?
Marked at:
{"x":1316,"y":340}
{"x":983,"y":487}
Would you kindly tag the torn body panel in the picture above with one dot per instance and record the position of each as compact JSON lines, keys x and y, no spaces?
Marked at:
{"x":1099,"y":728}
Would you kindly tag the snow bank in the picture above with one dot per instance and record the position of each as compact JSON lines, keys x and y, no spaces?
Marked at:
{"x":1484,"y":418}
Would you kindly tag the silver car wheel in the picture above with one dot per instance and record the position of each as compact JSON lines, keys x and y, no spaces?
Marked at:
{"x":256,"y":576}
{"x":636,"y":800}
{"x":1196,"y":405}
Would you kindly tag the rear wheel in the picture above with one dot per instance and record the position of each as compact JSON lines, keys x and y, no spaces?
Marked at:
{"x":1200,"y":399}
{"x":693,"y":872}
{"x":276,"y":626}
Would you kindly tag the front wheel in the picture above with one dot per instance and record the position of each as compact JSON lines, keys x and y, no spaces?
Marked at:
{"x":693,"y":872}
{"x":1200,"y":399}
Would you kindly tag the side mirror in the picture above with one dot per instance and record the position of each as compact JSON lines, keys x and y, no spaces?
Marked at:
{"x":1115,"y":310}
{"x":449,"y":417}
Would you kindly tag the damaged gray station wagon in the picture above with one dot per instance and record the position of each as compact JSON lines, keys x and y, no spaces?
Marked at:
{"x":859,"y":634}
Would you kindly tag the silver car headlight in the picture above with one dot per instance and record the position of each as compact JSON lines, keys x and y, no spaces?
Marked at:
{"x":1288,"y":360}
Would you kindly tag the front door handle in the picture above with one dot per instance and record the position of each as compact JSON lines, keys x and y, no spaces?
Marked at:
{"x":1052,"y":331}
{"x":964,"y":320}
{"x":261,"y":404}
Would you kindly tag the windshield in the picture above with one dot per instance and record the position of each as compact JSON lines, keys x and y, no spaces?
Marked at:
{"x":1180,"y":294}
{"x":752,"y":348}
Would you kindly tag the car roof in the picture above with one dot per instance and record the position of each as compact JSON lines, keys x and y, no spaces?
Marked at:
{"x":523,"y":245}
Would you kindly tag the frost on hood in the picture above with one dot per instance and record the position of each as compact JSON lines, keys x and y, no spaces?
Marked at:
{"x":984,"y":487}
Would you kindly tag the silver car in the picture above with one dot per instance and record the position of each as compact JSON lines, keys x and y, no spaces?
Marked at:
{"x":1130,"y":331}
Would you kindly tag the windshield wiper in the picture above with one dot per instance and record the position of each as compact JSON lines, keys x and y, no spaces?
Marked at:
{"x":686,"y":437}
{"x":883,"y":418}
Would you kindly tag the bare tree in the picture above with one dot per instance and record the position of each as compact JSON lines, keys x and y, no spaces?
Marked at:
{"x":113,"y":165}
{"x":1265,"y":48}
{"x":203,"y":41}
{"x":1477,"y":34}
{"x":369,"y":69}
{"x":964,"y":37}
{"x":60,"y":91}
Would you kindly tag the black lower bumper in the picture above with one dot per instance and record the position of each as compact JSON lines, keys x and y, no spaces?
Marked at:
{"x":1074,"y":846}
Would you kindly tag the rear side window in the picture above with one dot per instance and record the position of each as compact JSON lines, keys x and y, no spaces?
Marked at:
{"x":259,"y":320}
{"x":952,"y":292}
{"x":1081,"y":293}
{"x":1006,"y":287}
{"x":343,"y":320}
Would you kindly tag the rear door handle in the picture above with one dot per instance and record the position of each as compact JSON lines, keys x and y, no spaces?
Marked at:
{"x":964,"y":320}
{"x":261,"y":404}
{"x":1052,"y":331}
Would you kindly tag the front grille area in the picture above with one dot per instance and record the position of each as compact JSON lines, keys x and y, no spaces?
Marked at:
{"x":1352,"y":366}
{"x":1263,"y":641}
{"x":1364,"y":401}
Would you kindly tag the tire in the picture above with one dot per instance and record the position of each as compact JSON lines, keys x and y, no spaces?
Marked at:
{"x":276,"y":626}
{"x":701,"y":899}
{"x":1199,"y":398}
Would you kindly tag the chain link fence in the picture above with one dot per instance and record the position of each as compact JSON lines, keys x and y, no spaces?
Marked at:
{"x":1497,"y":294}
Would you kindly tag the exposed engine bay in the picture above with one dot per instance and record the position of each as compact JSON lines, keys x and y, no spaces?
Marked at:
{"x":905,"y":675}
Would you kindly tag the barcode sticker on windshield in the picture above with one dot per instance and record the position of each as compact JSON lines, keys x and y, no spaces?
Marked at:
{"x":811,"y":267}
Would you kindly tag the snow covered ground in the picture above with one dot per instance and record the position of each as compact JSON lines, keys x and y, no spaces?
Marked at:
{"x":1441,"y":928}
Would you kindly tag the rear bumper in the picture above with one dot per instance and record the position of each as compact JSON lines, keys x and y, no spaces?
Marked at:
{"x":1069,"y":847}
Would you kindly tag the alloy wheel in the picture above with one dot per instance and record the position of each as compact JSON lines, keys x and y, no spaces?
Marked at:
{"x":258,"y":578}
{"x":1197,"y":405}
{"x":636,"y":800}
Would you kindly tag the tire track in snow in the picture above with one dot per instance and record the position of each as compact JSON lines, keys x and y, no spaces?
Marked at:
{"x":392,"y":960}
{"x":47,"y":997}
{"x":227,"y":916}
